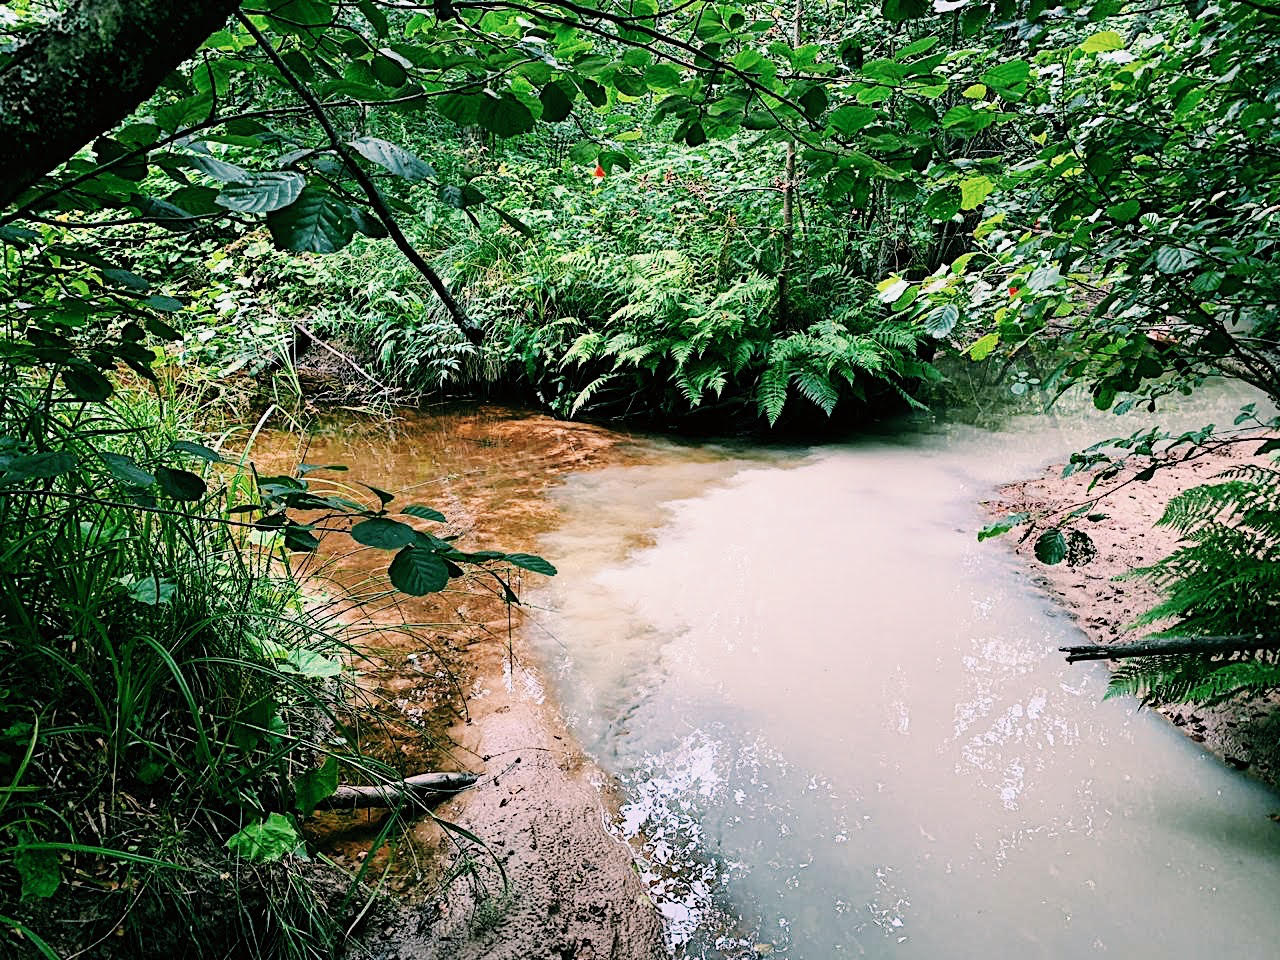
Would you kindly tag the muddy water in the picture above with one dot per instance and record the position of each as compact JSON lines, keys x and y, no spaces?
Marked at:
{"x":843,"y":729}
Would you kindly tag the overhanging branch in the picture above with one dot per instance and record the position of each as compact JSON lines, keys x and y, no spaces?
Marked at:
{"x":85,"y":72}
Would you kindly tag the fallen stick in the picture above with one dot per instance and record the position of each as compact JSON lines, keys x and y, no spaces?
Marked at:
{"x":1167,"y":646}
{"x":417,"y":790}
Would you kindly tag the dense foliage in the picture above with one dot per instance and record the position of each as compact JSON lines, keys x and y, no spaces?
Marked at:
{"x":715,"y":213}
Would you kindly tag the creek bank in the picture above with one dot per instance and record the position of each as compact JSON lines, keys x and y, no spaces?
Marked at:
{"x":1245,"y":733}
{"x":459,"y":692}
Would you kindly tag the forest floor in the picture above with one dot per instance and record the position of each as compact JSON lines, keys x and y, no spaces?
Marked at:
{"x":1243,"y":732}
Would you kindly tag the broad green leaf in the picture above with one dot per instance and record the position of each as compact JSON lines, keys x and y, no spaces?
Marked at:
{"x":982,"y":347}
{"x":316,"y":222}
{"x":180,"y":484}
{"x":900,"y":10}
{"x":941,"y":320}
{"x":207,"y":454}
{"x":1003,"y":526}
{"x":1124,"y":211}
{"x":974,"y":191}
{"x":1102,"y":42}
{"x":87,"y":383}
{"x":394,"y":158}
{"x":426,"y":513}
{"x":310,"y":664}
{"x":315,"y":785}
{"x":1051,"y":547}
{"x":38,"y":871}
{"x":504,"y":116}
{"x":848,"y":120}
{"x":125,"y":468}
{"x":262,"y":192}
{"x":529,"y":561}
{"x":267,"y":840}
{"x":383,"y":533}
{"x":418,"y":571}
{"x":557,"y":103}
{"x":38,"y":466}
{"x":218,"y":169}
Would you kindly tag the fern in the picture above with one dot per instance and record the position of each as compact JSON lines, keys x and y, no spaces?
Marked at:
{"x":1224,"y":580}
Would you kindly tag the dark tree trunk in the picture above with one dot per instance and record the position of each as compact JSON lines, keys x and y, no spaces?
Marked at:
{"x":88,"y":70}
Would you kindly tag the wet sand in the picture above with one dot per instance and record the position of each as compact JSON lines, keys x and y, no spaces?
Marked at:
{"x":1244,"y":733}
{"x":542,"y":810}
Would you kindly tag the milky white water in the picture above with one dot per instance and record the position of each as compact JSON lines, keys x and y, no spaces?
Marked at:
{"x":843,"y":728}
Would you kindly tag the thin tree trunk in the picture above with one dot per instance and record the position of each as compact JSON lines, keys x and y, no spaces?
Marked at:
{"x":788,"y":198}
{"x":85,"y":72}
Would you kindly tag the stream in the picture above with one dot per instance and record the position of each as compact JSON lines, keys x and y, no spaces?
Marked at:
{"x":842,"y":726}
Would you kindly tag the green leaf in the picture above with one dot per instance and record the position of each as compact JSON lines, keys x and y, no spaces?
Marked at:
{"x":461,"y":197}
{"x":982,"y":347}
{"x":266,"y":841}
{"x":900,"y":10}
{"x":39,"y":466}
{"x":1003,"y":526}
{"x":504,"y":116}
{"x":39,"y":872}
{"x":1174,"y":259}
{"x":974,"y":191}
{"x":1051,"y":547}
{"x":87,"y":383}
{"x":149,"y":590}
{"x":1124,"y":211}
{"x":383,"y":533}
{"x":315,"y":222}
{"x":1102,"y":42}
{"x":314,"y":786}
{"x":180,"y":484}
{"x":418,"y":571}
{"x":262,"y":192}
{"x":557,"y":103}
{"x":941,"y":320}
{"x":814,"y":102}
{"x":394,"y":158}
{"x":1007,"y":76}
{"x":943,"y":204}
{"x":529,"y":561}
{"x":310,"y":664}
{"x":124,"y":468}
{"x":207,"y":454}
{"x":164,"y":305}
{"x":291,"y":15}
{"x":217,"y":169}
{"x":848,"y":120}
{"x":426,"y":513}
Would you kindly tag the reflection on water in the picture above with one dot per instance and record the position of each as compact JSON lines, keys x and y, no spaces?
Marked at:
{"x":843,"y":727}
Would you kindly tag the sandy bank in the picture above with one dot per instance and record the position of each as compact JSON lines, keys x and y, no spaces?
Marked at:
{"x":1244,"y":733}
{"x":457,"y":692}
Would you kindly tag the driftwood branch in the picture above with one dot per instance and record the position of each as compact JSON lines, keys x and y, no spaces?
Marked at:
{"x":1167,"y":646}
{"x":419,"y":790}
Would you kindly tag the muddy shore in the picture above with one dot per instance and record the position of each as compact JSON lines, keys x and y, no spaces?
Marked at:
{"x":458,"y":692}
{"x":1244,"y":733}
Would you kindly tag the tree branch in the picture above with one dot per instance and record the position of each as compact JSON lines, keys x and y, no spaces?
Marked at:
{"x":85,"y":72}
{"x":1169,"y":646}
{"x":370,"y":189}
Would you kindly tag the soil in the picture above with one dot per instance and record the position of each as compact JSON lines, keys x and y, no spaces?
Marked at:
{"x":1243,"y":732}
